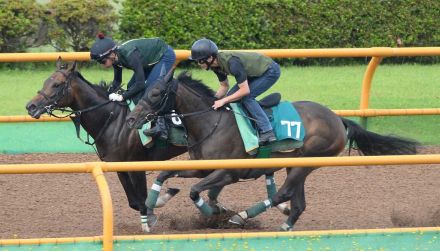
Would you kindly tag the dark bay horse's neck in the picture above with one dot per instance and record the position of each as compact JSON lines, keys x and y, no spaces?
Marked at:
{"x":201,"y":125}
{"x":213,"y":134}
{"x":86,"y":97}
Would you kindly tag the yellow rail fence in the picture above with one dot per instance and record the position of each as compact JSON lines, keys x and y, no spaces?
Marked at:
{"x":376,"y":54}
{"x":97,"y":169}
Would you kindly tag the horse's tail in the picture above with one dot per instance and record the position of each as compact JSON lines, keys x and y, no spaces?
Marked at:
{"x":370,"y":143}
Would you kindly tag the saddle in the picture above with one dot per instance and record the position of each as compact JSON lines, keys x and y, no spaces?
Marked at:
{"x":285,"y":121}
{"x":270,"y":100}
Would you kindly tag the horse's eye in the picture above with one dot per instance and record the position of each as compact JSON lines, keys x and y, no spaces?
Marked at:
{"x":56,"y":85}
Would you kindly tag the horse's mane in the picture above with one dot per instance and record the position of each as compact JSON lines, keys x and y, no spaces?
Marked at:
{"x":195,"y":84}
{"x":100,"y":88}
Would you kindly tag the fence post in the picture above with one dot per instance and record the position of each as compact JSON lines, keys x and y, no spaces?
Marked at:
{"x":107,"y":209}
{"x":366,"y":86}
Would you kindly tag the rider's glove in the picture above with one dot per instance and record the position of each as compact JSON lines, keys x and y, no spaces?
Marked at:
{"x":115,"y":97}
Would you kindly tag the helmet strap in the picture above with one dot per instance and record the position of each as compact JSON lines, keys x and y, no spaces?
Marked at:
{"x":208,"y":64}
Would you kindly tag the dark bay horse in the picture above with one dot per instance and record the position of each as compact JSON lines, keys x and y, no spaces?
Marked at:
{"x":215,"y":135}
{"x":105,"y":122}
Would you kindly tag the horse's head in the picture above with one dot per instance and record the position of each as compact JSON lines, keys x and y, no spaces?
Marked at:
{"x":56,"y":91}
{"x":157,"y":99}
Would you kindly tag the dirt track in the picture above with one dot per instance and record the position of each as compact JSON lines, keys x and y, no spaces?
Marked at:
{"x":63,"y":205}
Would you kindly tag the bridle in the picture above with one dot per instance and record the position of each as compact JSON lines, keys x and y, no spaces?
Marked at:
{"x":167,"y":103}
{"x":66,"y":87}
{"x":75,"y":115}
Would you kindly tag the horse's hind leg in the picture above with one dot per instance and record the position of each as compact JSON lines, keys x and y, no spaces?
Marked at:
{"x":293,"y":186}
{"x":293,"y":190}
{"x":271,"y":189}
{"x":298,"y":205}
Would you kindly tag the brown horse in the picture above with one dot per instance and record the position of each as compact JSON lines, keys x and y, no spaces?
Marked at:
{"x":215,"y":135}
{"x":105,"y":122}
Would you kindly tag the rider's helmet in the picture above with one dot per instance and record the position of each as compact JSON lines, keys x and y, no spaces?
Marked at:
{"x":102,"y":47}
{"x":203,"y":49}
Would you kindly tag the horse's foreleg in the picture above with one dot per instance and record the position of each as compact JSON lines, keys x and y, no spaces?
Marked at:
{"x":213,"y":194}
{"x":160,"y":201}
{"x":139,"y":184}
{"x":214,"y":181}
{"x":128,"y":189}
{"x":170,"y":193}
{"x":154,"y":192}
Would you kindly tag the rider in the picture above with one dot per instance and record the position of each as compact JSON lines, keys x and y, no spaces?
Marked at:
{"x":253,"y":72}
{"x":146,"y":57}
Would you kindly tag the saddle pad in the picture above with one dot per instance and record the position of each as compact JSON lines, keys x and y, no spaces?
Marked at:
{"x":146,"y":140}
{"x":285,"y":121}
{"x":247,"y":131}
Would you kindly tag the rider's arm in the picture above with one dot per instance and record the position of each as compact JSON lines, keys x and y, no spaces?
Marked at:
{"x":117,"y":77}
{"x":135,"y":63}
{"x":237,"y":70}
{"x":224,"y":85}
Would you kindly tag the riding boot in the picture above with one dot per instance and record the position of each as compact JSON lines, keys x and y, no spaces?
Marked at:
{"x":159,"y":130}
{"x":267,"y":137}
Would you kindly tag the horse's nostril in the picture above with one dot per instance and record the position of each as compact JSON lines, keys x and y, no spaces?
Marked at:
{"x":30,"y":107}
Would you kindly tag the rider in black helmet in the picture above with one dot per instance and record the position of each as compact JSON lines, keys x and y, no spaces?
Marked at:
{"x":253,"y":72}
{"x":147,"y":57}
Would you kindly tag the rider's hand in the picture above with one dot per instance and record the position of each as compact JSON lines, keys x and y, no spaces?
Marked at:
{"x":115,"y":97}
{"x":218,"y":103}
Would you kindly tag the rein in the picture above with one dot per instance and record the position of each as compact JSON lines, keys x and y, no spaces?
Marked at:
{"x":164,"y":103}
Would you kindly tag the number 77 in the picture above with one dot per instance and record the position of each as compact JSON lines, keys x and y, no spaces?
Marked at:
{"x":291,"y":124}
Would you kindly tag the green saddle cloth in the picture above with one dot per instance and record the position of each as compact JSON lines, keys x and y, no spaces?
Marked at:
{"x":176,"y":135}
{"x":146,"y":140}
{"x":285,"y":121}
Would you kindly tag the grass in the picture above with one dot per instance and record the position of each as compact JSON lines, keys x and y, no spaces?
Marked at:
{"x":394,"y":86}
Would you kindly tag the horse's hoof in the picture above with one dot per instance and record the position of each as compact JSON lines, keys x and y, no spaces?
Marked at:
{"x":286,"y":227}
{"x":284,"y":209}
{"x":162,"y":200}
{"x":237,"y":220}
{"x":152,"y":220}
{"x":145,"y":228}
{"x":173,"y":191}
{"x":219,"y":209}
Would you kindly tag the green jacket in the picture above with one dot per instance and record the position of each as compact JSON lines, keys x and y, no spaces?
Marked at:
{"x":150,"y":49}
{"x":255,"y":64}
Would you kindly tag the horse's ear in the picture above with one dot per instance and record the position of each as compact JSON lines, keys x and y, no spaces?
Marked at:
{"x":59,"y":63}
{"x":80,"y":65}
{"x":72,"y":67}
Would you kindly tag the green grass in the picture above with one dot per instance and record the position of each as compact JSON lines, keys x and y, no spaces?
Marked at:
{"x":402,"y":86}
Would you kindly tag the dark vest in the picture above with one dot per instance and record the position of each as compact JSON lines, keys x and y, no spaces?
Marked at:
{"x":150,"y":49}
{"x":255,"y":64}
